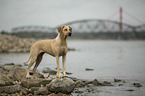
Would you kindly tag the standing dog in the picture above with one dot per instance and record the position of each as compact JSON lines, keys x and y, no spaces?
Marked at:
{"x":55,"y":47}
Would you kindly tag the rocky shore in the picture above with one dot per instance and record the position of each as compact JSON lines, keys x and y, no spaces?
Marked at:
{"x":11,"y":43}
{"x":13,"y":82}
{"x":14,"y":44}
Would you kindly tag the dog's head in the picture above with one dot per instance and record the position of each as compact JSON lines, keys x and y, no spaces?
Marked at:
{"x":65,"y":31}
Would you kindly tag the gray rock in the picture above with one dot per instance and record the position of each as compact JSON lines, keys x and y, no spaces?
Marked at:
{"x":46,"y":70}
{"x":19,"y":73}
{"x":61,"y":85}
{"x":5,"y":80}
{"x":35,"y":82}
{"x":137,"y":85}
{"x":10,"y":89}
{"x":89,"y":69}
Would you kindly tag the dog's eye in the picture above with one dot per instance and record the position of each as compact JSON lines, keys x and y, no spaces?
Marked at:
{"x":65,"y":29}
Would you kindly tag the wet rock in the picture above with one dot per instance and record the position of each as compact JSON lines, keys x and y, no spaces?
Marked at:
{"x":117,"y":80}
{"x":35,"y":82}
{"x":5,"y":80}
{"x":89,"y":69}
{"x":46,"y":70}
{"x":71,"y":49}
{"x":52,"y":72}
{"x":42,"y":90}
{"x":68,"y":73}
{"x":7,"y":67}
{"x":106,"y":82}
{"x":120,"y":84}
{"x":17,"y":73}
{"x":137,"y":85}
{"x":97,"y":83}
{"x":63,"y":85}
{"x":80,"y":83}
{"x":77,"y":91}
{"x":10,"y":89}
{"x":9,"y":64}
{"x":130,"y":90}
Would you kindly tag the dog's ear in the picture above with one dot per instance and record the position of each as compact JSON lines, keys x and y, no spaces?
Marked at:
{"x":70,"y":28}
{"x":60,"y":28}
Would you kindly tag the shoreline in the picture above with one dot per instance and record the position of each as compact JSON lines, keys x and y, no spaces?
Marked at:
{"x":83,"y":87}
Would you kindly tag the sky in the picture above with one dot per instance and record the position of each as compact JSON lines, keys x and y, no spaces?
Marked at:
{"x":14,"y":13}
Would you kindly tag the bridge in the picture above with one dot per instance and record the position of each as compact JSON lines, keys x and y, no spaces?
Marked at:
{"x":86,"y":25}
{"x":119,"y":28}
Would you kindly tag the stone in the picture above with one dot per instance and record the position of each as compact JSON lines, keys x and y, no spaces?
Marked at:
{"x":19,"y":73}
{"x":5,"y":80}
{"x":130,"y":90}
{"x":10,"y":89}
{"x":117,"y":80}
{"x":35,"y":82}
{"x":61,"y":85}
{"x":137,"y":85}
{"x":89,"y":69}
{"x":46,"y":70}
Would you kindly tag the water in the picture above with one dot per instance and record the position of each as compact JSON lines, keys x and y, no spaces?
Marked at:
{"x":109,"y":59}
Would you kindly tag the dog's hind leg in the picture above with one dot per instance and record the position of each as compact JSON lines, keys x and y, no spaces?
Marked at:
{"x":39,"y":58}
{"x":33,"y":55}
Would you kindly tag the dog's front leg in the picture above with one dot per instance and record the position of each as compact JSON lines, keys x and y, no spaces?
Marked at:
{"x":59,"y":74}
{"x":64,"y":61}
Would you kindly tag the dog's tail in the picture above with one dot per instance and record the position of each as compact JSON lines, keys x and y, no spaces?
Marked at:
{"x":27,"y":60}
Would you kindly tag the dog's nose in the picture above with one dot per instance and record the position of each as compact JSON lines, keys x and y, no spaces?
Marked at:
{"x":69,"y":34}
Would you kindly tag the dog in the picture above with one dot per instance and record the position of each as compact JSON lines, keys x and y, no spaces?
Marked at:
{"x":55,"y":47}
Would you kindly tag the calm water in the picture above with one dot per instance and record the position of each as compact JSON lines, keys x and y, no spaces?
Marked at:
{"x":109,"y":59}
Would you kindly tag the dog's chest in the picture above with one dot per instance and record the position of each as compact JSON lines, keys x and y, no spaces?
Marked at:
{"x":63,"y":50}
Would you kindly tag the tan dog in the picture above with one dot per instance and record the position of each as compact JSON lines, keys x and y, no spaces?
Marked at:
{"x":55,"y":47}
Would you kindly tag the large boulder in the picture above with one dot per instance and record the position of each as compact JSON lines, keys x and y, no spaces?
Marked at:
{"x":19,"y":73}
{"x":35,"y":82}
{"x":61,"y":85}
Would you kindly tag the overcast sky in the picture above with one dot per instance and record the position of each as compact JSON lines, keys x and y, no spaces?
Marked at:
{"x":14,"y":13}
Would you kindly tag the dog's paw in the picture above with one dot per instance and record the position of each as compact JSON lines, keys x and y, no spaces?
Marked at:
{"x":59,"y":75}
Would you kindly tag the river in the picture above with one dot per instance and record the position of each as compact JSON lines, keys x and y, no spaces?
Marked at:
{"x":109,"y":59}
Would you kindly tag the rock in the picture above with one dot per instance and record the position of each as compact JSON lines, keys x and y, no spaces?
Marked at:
{"x":46,"y":70}
{"x":130,"y":90}
{"x":5,"y":80}
{"x":42,"y":90}
{"x":52,"y":72}
{"x":19,"y":73}
{"x":35,"y":82}
{"x":89,"y":69}
{"x":71,"y":49}
{"x":63,"y":85}
{"x":68,"y":73}
{"x":137,"y":85}
{"x":9,"y":64}
{"x":80,"y":83}
{"x":97,"y":83}
{"x":10,"y":89}
{"x":117,"y":80}
{"x":8,"y":67}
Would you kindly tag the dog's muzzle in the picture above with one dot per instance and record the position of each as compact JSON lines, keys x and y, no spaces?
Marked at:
{"x":69,"y":34}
